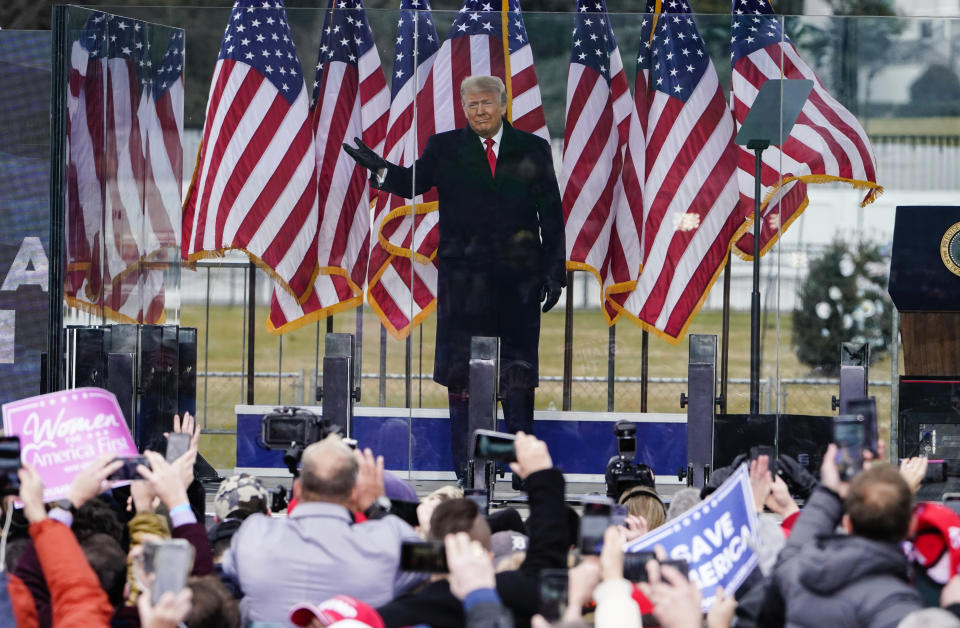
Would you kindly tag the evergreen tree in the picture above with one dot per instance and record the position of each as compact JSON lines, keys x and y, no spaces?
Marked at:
{"x":843,"y":299}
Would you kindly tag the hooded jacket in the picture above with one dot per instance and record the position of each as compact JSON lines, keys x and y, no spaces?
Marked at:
{"x":827,"y":579}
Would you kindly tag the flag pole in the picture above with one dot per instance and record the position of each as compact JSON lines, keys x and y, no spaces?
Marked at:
{"x":757,"y":146}
{"x":644,"y":368}
{"x":725,"y":336}
{"x":611,"y":365}
{"x":568,"y":345}
{"x":251,"y":333}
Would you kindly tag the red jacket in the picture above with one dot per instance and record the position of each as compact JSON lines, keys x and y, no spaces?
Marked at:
{"x":76,"y":596}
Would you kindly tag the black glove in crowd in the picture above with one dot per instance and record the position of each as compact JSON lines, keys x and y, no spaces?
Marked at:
{"x":799,"y":480}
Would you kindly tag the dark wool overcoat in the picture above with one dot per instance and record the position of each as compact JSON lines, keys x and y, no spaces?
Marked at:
{"x":501,"y":238}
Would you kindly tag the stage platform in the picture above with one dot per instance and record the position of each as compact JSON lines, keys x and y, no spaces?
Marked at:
{"x":415,"y":443}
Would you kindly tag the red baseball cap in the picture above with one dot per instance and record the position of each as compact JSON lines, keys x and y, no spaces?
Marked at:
{"x":936,"y":546}
{"x":342,"y":611}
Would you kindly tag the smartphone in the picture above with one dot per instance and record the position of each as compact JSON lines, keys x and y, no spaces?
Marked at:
{"x":129,"y":469}
{"x":952,"y":501}
{"x":168,"y":564}
{"x":406,"y":510}
{"x":9,"y":465}
{"x":553,"y":593}
{"x":867,"y":408}
{"x":849,"y":431}
{"x":177,"y":444}
{"x":494,"y":446}
{"x":479,"y":497}
{"x":594,"y":522}
{"x":769,"y":452}
{"x":426,"y":556}
{"x":635,"y":565}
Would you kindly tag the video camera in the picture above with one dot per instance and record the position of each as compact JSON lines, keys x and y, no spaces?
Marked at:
{"x":292,"y":429}
{"x":621,"y":472}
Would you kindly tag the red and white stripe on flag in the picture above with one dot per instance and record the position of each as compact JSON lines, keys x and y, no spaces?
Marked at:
{"x":827,"y":143}
{"x":401,"y":285}
{"x":692,"y":210}
{"x":84,"y":195}
{"x":161,"y":120}
{"x":482,"y":40}
{"x":350,"y":100}
{"x":601,"y":181}
{"x":255,"y":185}
{"x":137,"y":297}
{"x":124,"y":173}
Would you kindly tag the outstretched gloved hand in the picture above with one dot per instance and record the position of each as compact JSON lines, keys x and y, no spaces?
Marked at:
{"x":365,"y":156}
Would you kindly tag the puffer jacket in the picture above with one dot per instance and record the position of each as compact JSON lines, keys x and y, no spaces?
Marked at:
{"x":826,"y":579}
{"x":76,"y":597}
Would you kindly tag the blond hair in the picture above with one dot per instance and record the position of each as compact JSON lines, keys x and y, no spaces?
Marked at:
{"x":482,"y":83}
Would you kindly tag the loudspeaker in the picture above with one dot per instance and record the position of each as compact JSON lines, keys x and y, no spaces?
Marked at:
{"x":187,"y":370}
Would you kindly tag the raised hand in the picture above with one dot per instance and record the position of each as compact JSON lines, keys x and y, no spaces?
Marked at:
{"x":92,"y":479}
{"x":532,"y":455}
{"x":471,"y":567}
{"x":365,"y":156}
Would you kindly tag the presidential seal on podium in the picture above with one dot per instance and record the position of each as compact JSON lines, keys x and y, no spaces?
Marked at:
{"x":950,"y":248}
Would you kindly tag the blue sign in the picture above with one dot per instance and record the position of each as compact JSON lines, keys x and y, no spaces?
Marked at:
{"x":24,"y":209}
{"x":716,"y":538}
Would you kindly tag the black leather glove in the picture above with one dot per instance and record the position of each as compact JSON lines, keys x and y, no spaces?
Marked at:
{"x":799,"y":480}
{"x":550,"y":294}
{"x":365,"y":156}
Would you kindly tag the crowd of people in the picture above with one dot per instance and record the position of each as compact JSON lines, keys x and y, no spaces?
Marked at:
{"x":858,"y":553}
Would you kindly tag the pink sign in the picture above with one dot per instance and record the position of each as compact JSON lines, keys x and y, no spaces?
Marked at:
{"x":61,"y":432}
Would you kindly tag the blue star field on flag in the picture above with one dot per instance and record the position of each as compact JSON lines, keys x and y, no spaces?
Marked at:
{"x":482,"y":17}
{"x":346,"y":37}
{"x":258,"y":34}
{"x":118,"y":38}
{"x":593,"y":40}
{"x":675,"y":57}
{"x":754,"y":26}
{"x":171,"y":68}
{"x":414,"y":14}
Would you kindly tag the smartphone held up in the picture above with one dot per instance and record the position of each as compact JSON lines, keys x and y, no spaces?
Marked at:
{"x":497,"y":446}
{"x":9,"y":465}
{"x":849,"y":431}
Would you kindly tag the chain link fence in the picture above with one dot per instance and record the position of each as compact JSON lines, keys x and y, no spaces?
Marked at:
{"x":218,"y":392}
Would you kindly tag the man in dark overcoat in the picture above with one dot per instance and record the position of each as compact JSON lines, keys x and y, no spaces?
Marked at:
{"x":500,"y":252}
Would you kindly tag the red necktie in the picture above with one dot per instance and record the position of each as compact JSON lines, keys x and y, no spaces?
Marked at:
{"x":491,"y":156}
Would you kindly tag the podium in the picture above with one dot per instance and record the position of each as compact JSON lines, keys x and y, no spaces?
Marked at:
{"x":925,"y":287}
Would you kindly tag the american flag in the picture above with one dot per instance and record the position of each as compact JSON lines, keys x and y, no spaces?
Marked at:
{"x":350,"y":99}
{"x":477,"y":43}
{"x":129,"y":63}
{"x":86,"y":106}
{"x":116,"y":222}
{"x":255,"y":185}
{"x":161,"y":119}
{"x":601,"y":182}
{"x":691,"y":200}
{"x":827,"y":144}
{"x":393,"y":268}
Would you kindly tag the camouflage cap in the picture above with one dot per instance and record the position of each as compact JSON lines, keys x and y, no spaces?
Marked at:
{"x":240,"y":492}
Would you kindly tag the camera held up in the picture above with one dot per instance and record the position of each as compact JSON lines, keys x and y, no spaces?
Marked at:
{"x":622,"y":472}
